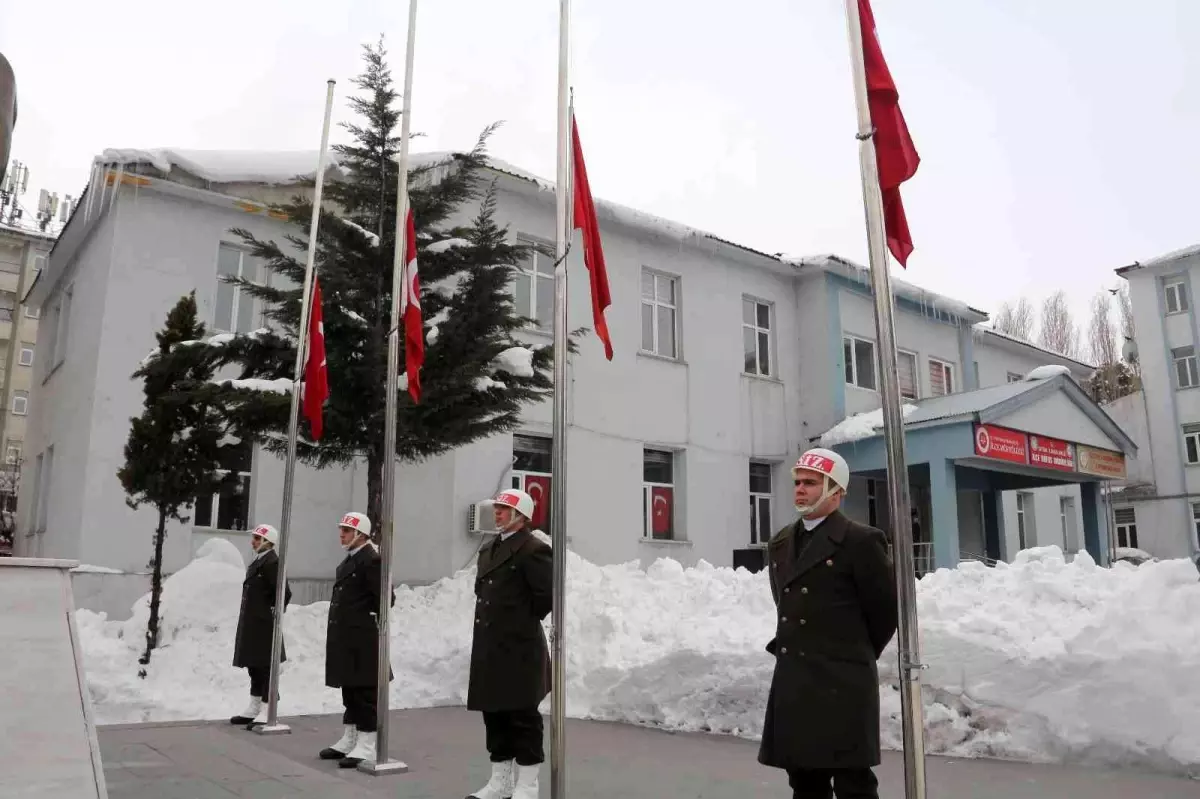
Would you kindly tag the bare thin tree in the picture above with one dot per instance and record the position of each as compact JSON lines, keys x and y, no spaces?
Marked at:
{"x":1126,"y":306}
{"x":1058,"y":331}
{"x":1015,"y":319}
{"x":1102,"y":334}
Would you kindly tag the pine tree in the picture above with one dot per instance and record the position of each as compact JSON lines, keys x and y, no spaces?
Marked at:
{"x":174,"y":447}
{"x":476,"y":377}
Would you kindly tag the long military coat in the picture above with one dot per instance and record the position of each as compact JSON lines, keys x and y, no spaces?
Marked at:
{"x":352,"y":633}
{"x":836,"y":611}
{"x":256,"y":619}
{"x":510,"y":661}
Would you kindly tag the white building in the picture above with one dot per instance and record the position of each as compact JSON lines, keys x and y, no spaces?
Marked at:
{"x":1158,"y":510}
{"x":728,"y":363}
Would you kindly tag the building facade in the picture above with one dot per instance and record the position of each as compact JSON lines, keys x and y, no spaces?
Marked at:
{"x":23,"y":254}
{"x":1158,"y":509}
{"x":729,"y":362}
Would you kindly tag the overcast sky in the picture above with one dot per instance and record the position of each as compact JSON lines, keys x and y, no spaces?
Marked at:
{"x":1058,"y":138}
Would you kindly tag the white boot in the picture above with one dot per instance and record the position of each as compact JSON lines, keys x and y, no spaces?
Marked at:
{"x":248,"y":715}
{"x":343,"y":746}
{"x":500,"y":786}
{"x":363,"y":751}
{"x":527,"y":782}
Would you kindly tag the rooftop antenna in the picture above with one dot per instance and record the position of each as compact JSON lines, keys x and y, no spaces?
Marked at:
{"x":16,"y":182}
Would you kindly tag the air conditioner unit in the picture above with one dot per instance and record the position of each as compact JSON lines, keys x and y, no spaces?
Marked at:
{"x":479,"y":518}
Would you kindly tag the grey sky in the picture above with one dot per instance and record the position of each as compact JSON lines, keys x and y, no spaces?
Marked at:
{"x":1058,"y":139}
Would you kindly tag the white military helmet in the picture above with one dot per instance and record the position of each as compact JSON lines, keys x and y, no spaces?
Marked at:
{"x":357,"y":522}
{"x":518,"y":500}
{"x":266,"y":532}
{"x":824,"y":462}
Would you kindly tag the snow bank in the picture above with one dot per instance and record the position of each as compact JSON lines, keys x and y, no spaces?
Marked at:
{"x":282,"y":385}
{"x":1048,"y":371}
{"x":227,"y":166}
{"x":516,"y":361}
{"x":859,"y":426}
{"x":446,"y":244}
{"x":1040,"y":660}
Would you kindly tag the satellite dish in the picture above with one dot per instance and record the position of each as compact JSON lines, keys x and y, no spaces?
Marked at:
{"x":1129,"y":350}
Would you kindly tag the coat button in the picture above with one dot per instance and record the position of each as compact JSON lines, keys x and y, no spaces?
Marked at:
{"x":783,"y":618}
{"x":803,"y":622}
{"x":829,"y":563}
{"x":804,"y":590}
{"x":787,"y":590}
{"x":783,"y":650}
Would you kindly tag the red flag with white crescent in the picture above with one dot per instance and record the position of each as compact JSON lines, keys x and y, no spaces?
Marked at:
{"x":410,"y":312}
{"x":316,"y":376}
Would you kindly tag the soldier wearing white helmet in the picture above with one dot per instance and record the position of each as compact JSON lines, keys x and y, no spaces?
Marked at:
{"x":256,"y":620}
{"x":352,"y":642}
{"x":510,"y":661}
{"x":835,"y":596}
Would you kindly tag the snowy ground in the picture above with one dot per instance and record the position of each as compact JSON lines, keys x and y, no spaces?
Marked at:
{"x":1041,"y":660}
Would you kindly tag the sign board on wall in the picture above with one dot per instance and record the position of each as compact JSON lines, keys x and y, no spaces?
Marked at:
{"x":1000,"y":443}
{"x":1100,"y":462}
{"x":1051,"y":453}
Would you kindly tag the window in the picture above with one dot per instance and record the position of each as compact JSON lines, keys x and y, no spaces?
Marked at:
{"x":859,"y":355}
{"x":1191,"y":444}
{"x":1176,"y":296}
{"x":44,"y":472}
{"x":533,"y":287}
{"x":20,"y":403}
{"x":873,"y":503}
{"x":31,"y":312}
{"x":906,"y":370}
{"x":1013,"y":377}
{"x":1024,"y":520}
{"x":1066,"y":512}
{"x":12,"y":455}
{"x":1126,"y":521}
{"x":1196,"y":521}
{"x":756,"y":337}
{"x":941,"y":378}
{"x":26,"y":353}
{"x":228,"y":508}
{"x":658,"y":494}
{"x":8,"y":301}
{"x":660,"y":305}
{"x":234,"y":308}
{"x":760,"y":503}
{"x":60,"y":324}
{"x":1184,"y":359}
{"x":531,"y":474}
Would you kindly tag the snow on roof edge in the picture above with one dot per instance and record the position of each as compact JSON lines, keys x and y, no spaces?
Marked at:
{"x":985,"y":328}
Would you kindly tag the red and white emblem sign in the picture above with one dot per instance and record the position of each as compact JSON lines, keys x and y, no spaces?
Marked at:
{"x":983,"y":441}
{"x":507,"y":499}
{"x":350,"y":521}
{"x":819,"y":463}
{"x":261,"y":530}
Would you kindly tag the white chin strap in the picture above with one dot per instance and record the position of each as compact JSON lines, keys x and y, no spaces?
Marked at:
{"x":830,"y":489}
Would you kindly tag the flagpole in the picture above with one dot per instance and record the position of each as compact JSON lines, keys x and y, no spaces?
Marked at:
{"x":558,"y":465}
{"x":382,"y":764}
{"x":289,"y":470}
{"x":908,"y":645}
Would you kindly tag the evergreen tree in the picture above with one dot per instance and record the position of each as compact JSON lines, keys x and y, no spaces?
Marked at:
{"x":475,"y":378}
{"x":174,"y":447}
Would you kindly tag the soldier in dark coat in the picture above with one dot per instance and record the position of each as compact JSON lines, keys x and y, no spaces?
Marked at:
{"x":352,"y":642}
{"x":835,"y":596}
{"x":256,"y":621}
{"x":510,"y":661}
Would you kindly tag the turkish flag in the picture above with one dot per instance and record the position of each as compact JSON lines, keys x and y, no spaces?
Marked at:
{"x":661,"y":511}
{"x":316,"y":377}
{"x":410,"y":312}
{"x":538,"y":489}
{"x":895,"y":154}
{"x":593,"y":253}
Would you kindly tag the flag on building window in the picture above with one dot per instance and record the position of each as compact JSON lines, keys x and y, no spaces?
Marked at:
{"x":661,"y":507}
{"x":895,"y":154}
{"x":593,"y":252}
{"x":538,"y":489}
{"x":316,"y":377}
{"x":410,"y":312}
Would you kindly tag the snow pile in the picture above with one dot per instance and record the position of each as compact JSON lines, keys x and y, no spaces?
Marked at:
{"x":272,"y":167}
{"x":372,"y":238}
{"x":860,"y":426}
{"x":446,"y":244}
{"x":1048,"y":371}
{"x":1040,"y":660}
{"x":281,"y":385}
{"x":517,"y":361}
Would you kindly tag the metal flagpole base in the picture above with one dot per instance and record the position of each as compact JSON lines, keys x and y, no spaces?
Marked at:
{"x":383,"y":769}
{"x":277,"y":728}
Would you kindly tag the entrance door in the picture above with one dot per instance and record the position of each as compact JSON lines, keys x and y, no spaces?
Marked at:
{"x":971,"y":544}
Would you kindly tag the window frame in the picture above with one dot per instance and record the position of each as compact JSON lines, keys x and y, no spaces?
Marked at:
{"x":1178,"y":288}
{"x":916,"y":373}
{"x":13,"y":445}
{"x":215,"y":508}
{"x":648,"y":487}
{"x":23,"y":396}
{"x":1126,"y":531}
{"x":655,"y":305}
{"x":21,"y":356}
{"x":536,"y":248}
{"x":760,"y":533}
{"x":1013,"y":377}
{"x":852,"y":341}
{"x":1191,"y":435}
{"x":1022,"y":521}
{"x":948,"y":376}
{"x":758,"y":332}
{"x":257,"y":314}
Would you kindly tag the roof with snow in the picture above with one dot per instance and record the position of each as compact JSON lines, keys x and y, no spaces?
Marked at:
{"x":984,"y":406}
{"x":1008,"y":337}
{"x":14,"y":230}
{"x":1165,"y":259}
